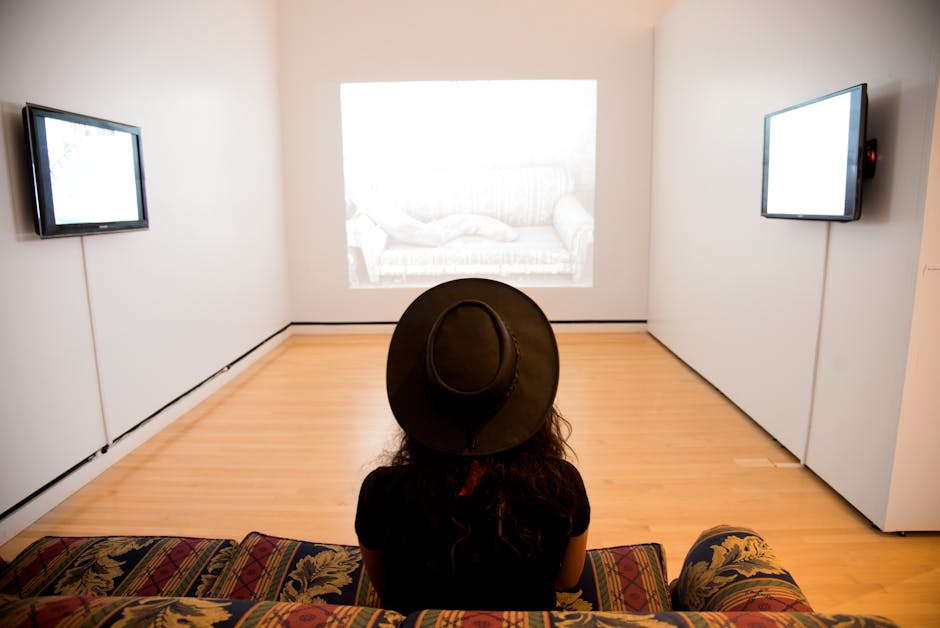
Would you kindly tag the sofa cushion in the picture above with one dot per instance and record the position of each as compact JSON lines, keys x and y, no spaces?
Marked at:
{"x":116,"y":565}
{"x":180,"y":611}
{"x":408,"y":230}
{"x":734,"y":569}
{"x":622,"y":578}
{"x":535,"y":251}
{"x":560,"y":619}
{"x":520,"y":197}
{"x":405,"y":228}
{"x":267,"y":567}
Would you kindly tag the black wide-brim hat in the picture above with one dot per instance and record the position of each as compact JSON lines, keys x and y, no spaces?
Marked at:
{"x":472,"y":368}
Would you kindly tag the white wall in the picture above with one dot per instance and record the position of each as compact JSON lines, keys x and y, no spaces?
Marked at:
{"x":324,"y":44}
{"x":169,"y":306}
{"x":751,"y":302}
{"x":919,"y":425}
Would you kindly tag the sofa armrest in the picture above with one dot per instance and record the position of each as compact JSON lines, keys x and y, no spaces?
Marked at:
{"x":734,"y":569}
{"x":574,"y":224}
{"x":371,"y":239}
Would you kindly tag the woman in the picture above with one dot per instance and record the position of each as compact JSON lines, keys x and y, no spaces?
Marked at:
{"x":478,"y":509}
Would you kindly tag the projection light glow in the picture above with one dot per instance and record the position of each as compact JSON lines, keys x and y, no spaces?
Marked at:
{"x":810,"y":178}
{"x":93,"y":176}
{"x":448,"y":179}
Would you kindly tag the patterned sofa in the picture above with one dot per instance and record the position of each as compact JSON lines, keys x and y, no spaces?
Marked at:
{"x":730,"y":578}
{"x":524,"y":223}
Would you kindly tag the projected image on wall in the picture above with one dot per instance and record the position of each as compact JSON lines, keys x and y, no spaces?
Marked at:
{"x":449,"y":179}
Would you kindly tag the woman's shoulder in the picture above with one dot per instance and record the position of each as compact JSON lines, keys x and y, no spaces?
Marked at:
{"x":568,"y":476}
{"x":383,"y":475}
{"x":380,"y":487}
{"x":565,"y":468}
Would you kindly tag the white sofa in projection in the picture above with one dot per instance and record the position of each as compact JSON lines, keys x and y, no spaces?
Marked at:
{"x":523,"y":224}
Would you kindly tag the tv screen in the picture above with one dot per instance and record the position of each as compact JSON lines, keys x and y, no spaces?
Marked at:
{"x":87,"y":173}
{"x":814,"y":156}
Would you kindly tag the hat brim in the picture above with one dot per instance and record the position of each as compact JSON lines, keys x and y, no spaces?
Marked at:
{"x":431,"y":422}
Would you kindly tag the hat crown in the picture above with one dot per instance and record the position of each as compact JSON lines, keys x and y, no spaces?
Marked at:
{"x":471,"y":355}
{"x":472,"y":368}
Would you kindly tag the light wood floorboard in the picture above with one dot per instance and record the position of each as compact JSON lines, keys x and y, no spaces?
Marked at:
{"x":282,"y":449}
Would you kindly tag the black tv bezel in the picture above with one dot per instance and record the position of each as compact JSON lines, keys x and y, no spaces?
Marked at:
{"x":44,"y":210}
{"x":855,"y":157}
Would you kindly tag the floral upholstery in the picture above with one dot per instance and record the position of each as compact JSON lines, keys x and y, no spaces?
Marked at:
{"x":561,"y":619}
{"x":116,"y":565}
{"x":185,"y":611}
{"x":623,"y":578}
{"x":734,"y":569}
{"x":103,"y":612}
{"x":278,"y":569}
{"x":626,"y":578}
{"x":273,"y":581}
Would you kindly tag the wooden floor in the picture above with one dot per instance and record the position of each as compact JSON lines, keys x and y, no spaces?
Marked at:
{"x":282,"y":449}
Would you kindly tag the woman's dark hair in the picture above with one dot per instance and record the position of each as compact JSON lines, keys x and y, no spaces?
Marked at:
{"x":515,"y":491}
{"x":551,"y":441}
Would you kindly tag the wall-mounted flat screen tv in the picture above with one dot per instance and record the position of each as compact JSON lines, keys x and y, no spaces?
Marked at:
{"x":815,"y":158}
{"x":87,"y":173}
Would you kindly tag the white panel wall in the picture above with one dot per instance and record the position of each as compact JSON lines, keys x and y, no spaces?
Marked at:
{"x":919,"y":428}
{"x":325,"y":43}
{"x":745,"y":300}
{"x":172,"y":305}
{"x":734,"y":295}
{"x":873,"y":266}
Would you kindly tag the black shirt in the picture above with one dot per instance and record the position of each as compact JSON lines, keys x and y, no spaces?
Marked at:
{"x":498,"y":548}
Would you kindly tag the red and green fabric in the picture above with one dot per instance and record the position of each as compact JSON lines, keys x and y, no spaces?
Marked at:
{"x":272,"y":568}
{"x":95,"y":612}
{"x":735,"y":569}
{"x":116,"y":565}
